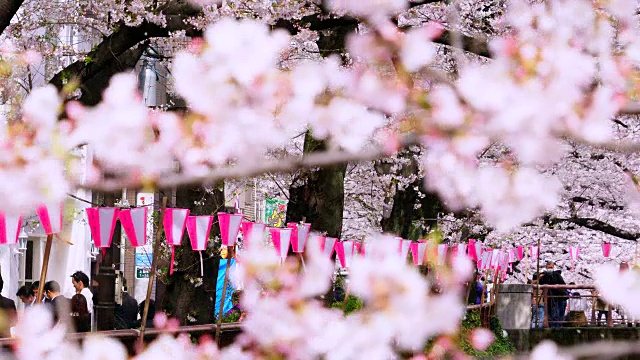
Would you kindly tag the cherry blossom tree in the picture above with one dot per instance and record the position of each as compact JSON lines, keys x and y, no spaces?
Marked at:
{"x":515,"y":140}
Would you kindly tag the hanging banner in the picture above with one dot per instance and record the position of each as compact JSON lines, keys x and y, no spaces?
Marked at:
{"x":144,"y":253}
{"x":275,"y":212}
{"x":219,"y":286}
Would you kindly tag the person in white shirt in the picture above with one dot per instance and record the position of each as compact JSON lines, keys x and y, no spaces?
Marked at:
{"x":80,"y":282}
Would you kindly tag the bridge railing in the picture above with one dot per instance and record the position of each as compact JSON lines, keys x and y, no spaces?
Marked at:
{"x":573,"y":306}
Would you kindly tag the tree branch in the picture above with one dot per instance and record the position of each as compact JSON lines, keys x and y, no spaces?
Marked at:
{"x":286,"y":165}
{"x":8,"y":8}
{"x":123,"y":39}
{"x":597,"y":225}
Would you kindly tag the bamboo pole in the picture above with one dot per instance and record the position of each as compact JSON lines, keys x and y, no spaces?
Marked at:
{"x":230,"y":255}
{"x":152,"y":273}
{"x":45,"y":267}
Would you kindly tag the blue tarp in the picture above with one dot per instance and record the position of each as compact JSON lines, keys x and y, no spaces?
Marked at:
{"x":220,"y":284}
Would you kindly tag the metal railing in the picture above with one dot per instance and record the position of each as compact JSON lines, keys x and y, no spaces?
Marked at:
{"x":573,"y":306}
{"x":129,"y":338}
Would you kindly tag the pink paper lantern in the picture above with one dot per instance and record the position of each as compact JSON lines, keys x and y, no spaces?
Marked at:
{"x":472,"y":250}
{"x":252,"y":233}
{"x":326,"y":244}
{"x":403,"y":247}
{"x":512,"y":256}
{"x":606,"y":249}
{"x":281,"y":238}
{"x":534,"y":252}
{"x":102,"y":223}
{"x":229,"y":227}
{"x":174,"y":222}
{"x":134,"y":224}
{"x":50,"y":218}
{"x":345,"y":251}
{"x":574,"y":253}
{"x":520,"y":252}
{"x":358,"y":247}
{"x":486,"y":260}
{"x":299,"y":236}
{"x":199,"y":228}
{"x":418,"y":250}
{"x":9,"y":229}
{"x":442,"y":253}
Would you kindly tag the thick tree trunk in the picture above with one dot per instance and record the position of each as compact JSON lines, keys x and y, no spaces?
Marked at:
{"x":183,"y":300}
{"x":318,"y":195}
{"x":414,"y":209}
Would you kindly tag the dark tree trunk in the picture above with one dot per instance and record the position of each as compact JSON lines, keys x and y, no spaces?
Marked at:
{"x":414,"y":209}
{"x":182,"y":299}
{"x":318,"y":195}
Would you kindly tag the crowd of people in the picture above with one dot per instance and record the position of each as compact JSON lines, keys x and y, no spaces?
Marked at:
{"x":80,"y":306}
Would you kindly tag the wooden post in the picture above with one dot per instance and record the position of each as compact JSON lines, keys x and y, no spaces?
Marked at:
{"x":152,"y":273}
{"x":545,"y":298}
{"x":346,"y":297}
{"x":45,"y":267}
{"x":230,"y":255}
{"x":594,"y":300}
{"x":610,"y":315}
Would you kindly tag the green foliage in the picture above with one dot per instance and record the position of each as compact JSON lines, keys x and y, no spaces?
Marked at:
{"x":500,"y":347}
{"x":353,"y":304}
{"x":233,"y":316}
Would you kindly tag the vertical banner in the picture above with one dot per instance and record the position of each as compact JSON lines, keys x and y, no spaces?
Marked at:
{"x":144,"y":253}
{"x":219,"y":284}
{"x":275,"y":212}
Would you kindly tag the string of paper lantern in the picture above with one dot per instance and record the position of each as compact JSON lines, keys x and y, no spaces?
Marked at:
{"x":174,"y":222}
{"x":198,"y":228}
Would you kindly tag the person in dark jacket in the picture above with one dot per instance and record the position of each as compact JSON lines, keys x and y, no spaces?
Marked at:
{"x":127,"y":312}
{"x":35,"y":287}
{"x":150,"y":315}
{"x":557,"y":300}
{"x":9,"y":310}
{"x":59,"y":303}
{"x":26,"y":295}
